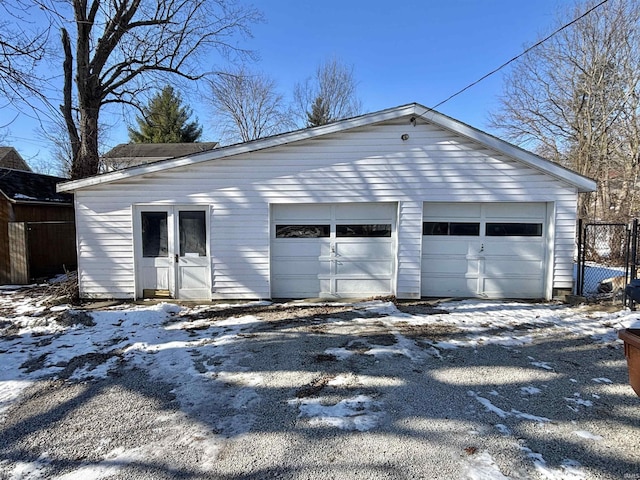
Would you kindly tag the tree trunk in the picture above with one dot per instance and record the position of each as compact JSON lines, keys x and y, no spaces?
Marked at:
{"x":67,"y":107}
{"x":87,"y":160}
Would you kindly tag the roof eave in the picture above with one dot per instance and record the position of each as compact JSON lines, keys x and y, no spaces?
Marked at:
{"x":42,"y":202}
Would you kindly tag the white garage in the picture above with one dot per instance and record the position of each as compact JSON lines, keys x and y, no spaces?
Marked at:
{"x":405,"y":202}
{"x":491,"y":250}
{"x":333,"y":250}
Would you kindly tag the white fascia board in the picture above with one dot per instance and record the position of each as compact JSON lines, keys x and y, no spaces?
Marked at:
{"x":582,"y":183}
{"x":241,"y":148}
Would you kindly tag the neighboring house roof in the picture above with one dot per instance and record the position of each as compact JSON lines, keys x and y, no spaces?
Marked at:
{"x":131,"y":154}
{"x":10,"y":158}
{"x":414,"y":110}
{"x":27,"y":187}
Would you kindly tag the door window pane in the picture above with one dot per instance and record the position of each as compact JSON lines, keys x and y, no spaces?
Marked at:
{"x":366,"y":230}
{"x":464,"y":229}
{"x":154,"y":234}
{"x":193,"y":236}
{"x":451,"y":228}
{"x":435,"y":228}
{"x":514,"y":230}
{"x":302,"y":231}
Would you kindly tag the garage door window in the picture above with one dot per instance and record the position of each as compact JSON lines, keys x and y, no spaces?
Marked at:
{"x":364,"y":230}
{"x":451,"y":228}
{"x":302,"y":231}
{"x":514,"y":230}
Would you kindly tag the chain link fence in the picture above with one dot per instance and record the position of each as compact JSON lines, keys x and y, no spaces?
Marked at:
{"x":603,"y":260}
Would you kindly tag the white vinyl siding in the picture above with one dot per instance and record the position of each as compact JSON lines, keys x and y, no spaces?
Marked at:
{"x":366,"y":164}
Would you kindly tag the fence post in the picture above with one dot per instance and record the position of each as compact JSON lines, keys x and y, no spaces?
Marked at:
{"x":19,"y":252}
{"x":632,"y":268}
{"x":578,"y":289}
{"x":634,"y":248}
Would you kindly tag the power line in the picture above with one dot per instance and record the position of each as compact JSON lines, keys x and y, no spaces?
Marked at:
{"x":520,"y":55}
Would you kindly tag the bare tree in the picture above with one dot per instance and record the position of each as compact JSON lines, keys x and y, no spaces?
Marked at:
{"x":575,"y":99}
{"x":248,"y":106}
{"x":333,"y":90}
{"x":118,"y":48}
{"x":22,"y":47}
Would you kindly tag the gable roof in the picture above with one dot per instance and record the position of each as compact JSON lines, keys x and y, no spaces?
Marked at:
{"x":10,"y":158}
{"x":19,"y":186}
{"x":415,"y":110}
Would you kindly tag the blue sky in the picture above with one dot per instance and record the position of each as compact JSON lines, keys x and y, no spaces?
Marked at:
{"x":405,"y":51}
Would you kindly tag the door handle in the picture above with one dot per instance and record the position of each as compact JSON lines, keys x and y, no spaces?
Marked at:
{"x":176,"y":258}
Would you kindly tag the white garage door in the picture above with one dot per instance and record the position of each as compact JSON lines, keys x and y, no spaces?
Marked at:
{"x":490,"y":250}
{"x":333,"y":250}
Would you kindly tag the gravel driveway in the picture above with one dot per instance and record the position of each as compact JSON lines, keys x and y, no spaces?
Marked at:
{"x":368,"y":390}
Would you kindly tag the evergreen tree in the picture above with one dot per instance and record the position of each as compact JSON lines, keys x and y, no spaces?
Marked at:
{"x":165,"y":120}
{"x":319,"y":114}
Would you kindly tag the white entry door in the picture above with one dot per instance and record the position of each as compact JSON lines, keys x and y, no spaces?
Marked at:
{"x":172,"y":252}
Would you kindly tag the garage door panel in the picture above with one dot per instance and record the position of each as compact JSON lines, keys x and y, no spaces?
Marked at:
{"x":364,"y":212}
{"x":450,"y":246}
{"x":510,"y":287}
{"x":353,"y":287}
{"x":533,"y":248}
{"x":365,"y":248}
{"x":446,"y":286}
{"x":296,"y":287}
{"x":365,"y":267}
{"x":515,"y":267}
{"x":302,"y":213}
{"x":449,"y":265}
{"x":452,"y":210}
{"x":303,"y":247}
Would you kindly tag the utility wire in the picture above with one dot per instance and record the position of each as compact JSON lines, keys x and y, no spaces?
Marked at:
{"x":520,"y":55}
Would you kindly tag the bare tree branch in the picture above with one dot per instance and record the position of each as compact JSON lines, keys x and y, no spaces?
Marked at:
{"x":248,"y":106}
{"x":22,"y":47}
{"x":123,"y":45}
{"x":335,"y":86}
{"x":575,"y":100}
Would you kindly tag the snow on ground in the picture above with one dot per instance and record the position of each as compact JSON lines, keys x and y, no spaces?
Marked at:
{"x":174,"y":346}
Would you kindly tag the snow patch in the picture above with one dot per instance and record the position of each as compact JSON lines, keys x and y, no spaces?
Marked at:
{"x":356,"y":413}
{"x":483,"y":467}
{"x":587,"y":435}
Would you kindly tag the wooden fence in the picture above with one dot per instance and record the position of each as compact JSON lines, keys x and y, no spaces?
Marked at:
{"x":41,"y":249}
